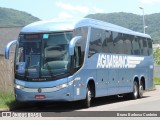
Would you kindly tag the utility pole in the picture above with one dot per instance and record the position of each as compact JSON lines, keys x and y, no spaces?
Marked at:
{"x":144,"y":26}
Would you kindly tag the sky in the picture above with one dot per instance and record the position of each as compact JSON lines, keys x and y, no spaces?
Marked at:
{"x":72,"y":9}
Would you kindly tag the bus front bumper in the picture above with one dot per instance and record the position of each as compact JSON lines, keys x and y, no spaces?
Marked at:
{"x":40,"y":94}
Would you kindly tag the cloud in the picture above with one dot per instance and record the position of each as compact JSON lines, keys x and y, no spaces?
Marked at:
{"x":149,"y":1}
{"x":79,"y":8}
{"x":97,"y":10}
{"x":70,"y":11}
{"x":67,"y":6}
{"x":65,"y":15}
{"x":62,"y":16}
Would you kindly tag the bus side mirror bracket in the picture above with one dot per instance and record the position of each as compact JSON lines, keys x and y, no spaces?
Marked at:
{"x":7,"y":48}
{"x":72,"y":44}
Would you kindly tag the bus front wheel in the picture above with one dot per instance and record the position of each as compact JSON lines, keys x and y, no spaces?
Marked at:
{"x":87,"y":100}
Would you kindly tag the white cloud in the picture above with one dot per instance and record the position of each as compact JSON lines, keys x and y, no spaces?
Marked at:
{"x":67,"y":6}
{"x":97,"y":10}
{"x":62,"y":16}
{"x":149,"y":1}
{"x":65,"y":15}
{"x":79,"y":8}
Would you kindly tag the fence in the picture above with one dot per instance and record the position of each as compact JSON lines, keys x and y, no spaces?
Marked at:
{"x":6,"y":74}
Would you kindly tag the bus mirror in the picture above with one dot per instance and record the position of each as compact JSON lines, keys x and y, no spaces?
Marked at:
{"x":7,"y":48}
{"x":72,"y":44}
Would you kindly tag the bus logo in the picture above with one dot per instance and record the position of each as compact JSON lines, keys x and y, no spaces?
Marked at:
{"x":39,"y":90}
{"x":118,"y":61}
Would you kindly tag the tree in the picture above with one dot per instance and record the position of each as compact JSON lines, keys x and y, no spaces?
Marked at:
{"x":157,"y":56}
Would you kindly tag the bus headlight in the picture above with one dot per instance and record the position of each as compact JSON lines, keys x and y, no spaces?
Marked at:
{"x":64,"y":85}
{"x":18,"y":86}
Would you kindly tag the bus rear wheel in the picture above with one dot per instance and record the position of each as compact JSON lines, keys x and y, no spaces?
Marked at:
{"x":141,"y":90}
{"x":87,"y":100}
{"x":134,"y":94}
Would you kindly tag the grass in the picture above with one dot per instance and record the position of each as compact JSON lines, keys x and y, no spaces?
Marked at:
{"x":6,"y":99}
{"x":157,"y":81}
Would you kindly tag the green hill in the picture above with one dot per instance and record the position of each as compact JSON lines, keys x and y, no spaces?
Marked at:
{"x":11,"y":17}
{"x":133,"y":22}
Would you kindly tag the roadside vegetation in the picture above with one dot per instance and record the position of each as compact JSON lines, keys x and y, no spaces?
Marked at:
{"x":6,"y":99}
{"x":157,"y":56}
{"x":157,"y":81}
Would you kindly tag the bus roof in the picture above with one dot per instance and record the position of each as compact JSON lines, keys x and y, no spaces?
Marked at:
{"x":56,"y":26}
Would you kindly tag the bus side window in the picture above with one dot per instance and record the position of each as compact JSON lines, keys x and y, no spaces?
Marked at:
{"x":149,"y":46}
{"x":110,"y":43}
{"x":136,"y":47}
{"x":77,"y":57}
{"x":105,"y":38}
{"x":145,"y":47}
{"x":118,"y":43}
{"x":127,"y":40}
{"x":95,"y":42}
{"x":140,"y":41}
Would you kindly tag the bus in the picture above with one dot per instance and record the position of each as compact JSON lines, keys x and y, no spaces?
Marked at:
{"x":80,"y":60}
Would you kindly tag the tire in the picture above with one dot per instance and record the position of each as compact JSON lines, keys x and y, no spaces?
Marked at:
{"x":140,"y":90}
{"x":87,"y":100}
{"x":134,"y":94}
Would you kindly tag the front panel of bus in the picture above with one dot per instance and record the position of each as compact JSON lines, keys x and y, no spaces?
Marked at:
{"x":44,"y":70}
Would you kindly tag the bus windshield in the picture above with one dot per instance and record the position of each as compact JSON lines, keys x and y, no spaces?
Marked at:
{"x":42,"y":56}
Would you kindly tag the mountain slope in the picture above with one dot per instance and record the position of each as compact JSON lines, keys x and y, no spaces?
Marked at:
{"x":132,"y":21}
{"x":11,"y":17}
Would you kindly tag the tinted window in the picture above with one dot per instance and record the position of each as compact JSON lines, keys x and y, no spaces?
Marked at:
{"x":140,"y":41}
{"x":149,"y":46}
{"x":136,"y":47}
{"x":107,"y":42}
{"x":127,"y":40}
{"x":118,"y":42}
{"x":145,"y":47}
{"x":95,"y":41}
{"x":81,"y":45}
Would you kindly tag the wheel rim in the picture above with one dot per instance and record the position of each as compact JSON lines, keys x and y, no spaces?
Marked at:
{"x":135,"y":90}
{"x":89,"y":96}
{"x":141,"y":91}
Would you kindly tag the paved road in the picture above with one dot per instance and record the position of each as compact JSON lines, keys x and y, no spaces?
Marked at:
{"x":150,"y":102}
